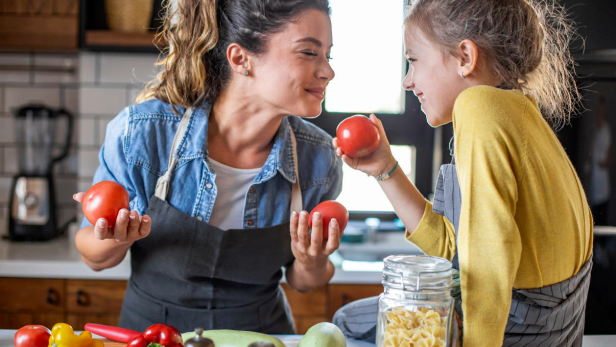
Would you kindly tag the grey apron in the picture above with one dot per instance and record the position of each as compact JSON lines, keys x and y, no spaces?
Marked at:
{"x":189,"y":274}
{"x":549,"y":316}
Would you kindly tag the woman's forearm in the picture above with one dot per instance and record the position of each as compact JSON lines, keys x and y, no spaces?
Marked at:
{"x":100,"y":254}
{"x":407,"y":201}
{"x":304,"y":280}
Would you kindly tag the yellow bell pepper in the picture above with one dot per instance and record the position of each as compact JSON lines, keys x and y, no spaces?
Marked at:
{"x":63,"y":335}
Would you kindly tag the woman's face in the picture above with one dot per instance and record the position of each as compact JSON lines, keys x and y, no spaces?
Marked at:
{"x":294,"y":71}
{"x":432,"y":76}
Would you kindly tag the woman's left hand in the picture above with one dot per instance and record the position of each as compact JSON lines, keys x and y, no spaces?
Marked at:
{"x":311,"y":251}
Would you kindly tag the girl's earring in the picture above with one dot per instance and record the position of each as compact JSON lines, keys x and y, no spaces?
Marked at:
{"x":462,"y":75}
{"x":245,"y":72}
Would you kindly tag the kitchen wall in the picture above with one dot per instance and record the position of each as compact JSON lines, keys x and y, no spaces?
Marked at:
{"x":98,"y":88}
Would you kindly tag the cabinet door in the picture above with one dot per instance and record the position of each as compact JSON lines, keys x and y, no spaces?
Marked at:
{"x":31,"y":301}
{"x":94,"y":301}
{"x":342,"y":294}
{"x":308,"y":308}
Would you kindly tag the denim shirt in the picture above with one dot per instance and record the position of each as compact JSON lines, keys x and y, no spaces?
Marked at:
{"x":138,"y":144}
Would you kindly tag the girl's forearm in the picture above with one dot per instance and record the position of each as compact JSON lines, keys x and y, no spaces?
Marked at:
{"x":407,"y":201}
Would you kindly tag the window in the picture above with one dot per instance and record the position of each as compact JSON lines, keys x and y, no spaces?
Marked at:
{"x":367,"y":57}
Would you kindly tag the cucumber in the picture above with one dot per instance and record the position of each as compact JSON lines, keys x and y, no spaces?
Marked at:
{"x":234,"y":338}
{"x":323,"y":335}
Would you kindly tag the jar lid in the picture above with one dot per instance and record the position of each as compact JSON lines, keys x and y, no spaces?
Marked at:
{"x":416,"y":272}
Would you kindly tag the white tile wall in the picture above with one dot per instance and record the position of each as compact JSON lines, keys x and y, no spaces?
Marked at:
{"x":101,"y":86}
{"x":136,"y":69}
{"x":101,"y":100}
{"x":15,"y":97}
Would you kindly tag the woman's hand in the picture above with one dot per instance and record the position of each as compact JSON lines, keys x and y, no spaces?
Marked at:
{"x":129,"y":226}
{"x":376,"y":163}
{"x":310,"y":251}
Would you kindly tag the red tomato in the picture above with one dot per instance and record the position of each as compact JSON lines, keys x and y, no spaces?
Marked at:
{"x":104,"y":200}
{"x":32,"y":336}
{"x":357,"y":136}
{"x":330,"y":209}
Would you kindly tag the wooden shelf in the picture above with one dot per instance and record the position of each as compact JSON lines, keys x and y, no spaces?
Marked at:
{"x":101,"y":38}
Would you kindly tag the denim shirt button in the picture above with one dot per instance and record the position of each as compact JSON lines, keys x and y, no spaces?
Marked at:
{"x":252,"y":190}
{"x":200,"y":218}
{"x":250,"y":223}
{"x":208,"y":186}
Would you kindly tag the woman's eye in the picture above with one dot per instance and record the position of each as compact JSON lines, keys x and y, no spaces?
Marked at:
{"x":312,"y":54}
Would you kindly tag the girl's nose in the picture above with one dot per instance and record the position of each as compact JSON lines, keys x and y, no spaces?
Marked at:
{"x":408,"y":83}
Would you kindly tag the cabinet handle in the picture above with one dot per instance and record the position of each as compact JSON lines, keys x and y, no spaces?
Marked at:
{"x":53,"y":297}
{"x":345,"y":299}
{"x":82,"y":298}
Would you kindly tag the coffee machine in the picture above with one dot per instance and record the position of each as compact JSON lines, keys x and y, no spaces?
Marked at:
{"x":32,"y":205}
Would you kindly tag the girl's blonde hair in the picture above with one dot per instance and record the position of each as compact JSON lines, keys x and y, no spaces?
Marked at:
{"x":526,"y":43}
{"x":194,"y":69}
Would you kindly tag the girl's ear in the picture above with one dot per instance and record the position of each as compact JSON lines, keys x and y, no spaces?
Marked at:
{"x":238,"y":59}
{"x":469,"y":54}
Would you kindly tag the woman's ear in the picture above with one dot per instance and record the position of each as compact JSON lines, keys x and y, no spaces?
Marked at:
{"x":238,"y":59}
{"x":469,"y":55}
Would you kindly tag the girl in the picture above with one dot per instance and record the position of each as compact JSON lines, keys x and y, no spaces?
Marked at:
{"x":509,"y":211}
{"x":214,"y":166}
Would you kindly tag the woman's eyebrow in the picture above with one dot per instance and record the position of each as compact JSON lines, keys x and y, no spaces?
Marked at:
{"x":313,"y":40}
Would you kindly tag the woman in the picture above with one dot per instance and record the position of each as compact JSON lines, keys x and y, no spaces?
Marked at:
{"x":212,"y":161}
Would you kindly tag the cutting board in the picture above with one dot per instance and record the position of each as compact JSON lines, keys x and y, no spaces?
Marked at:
{"x":288,"y":341}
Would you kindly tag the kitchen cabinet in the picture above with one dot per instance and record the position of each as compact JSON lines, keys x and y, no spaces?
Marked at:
{"x":49,"y":301}
{"x":39,"y":25}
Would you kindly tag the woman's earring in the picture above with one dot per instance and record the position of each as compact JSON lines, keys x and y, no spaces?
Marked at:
{"x":245,"y":72}
{"x":462,"y":75}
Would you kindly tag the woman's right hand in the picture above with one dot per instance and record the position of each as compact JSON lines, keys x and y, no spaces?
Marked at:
{"x":129,"y":226}
{"x":376,"y":163}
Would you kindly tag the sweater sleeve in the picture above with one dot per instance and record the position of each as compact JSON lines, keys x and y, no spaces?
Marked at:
{"x":434,"y":235}
{"x":489,"y":242}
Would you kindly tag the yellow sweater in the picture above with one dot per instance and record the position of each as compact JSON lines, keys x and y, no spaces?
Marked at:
{"x":525,"y":222}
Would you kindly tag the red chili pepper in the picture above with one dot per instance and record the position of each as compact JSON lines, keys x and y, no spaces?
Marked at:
{"x":159,"y":334}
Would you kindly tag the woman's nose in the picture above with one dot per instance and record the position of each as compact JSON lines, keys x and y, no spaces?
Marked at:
{"x":326,"y":72}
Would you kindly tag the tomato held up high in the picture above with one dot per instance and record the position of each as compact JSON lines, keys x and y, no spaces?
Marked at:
{"x":104,"y":200}
{"x":330,"y":209}
{"x":357,"y":136}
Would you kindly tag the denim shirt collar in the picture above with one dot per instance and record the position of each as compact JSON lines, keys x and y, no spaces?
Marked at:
{"x":280,"y":159}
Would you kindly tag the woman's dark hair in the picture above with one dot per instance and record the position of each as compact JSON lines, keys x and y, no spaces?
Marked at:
{"x":198,"y":33}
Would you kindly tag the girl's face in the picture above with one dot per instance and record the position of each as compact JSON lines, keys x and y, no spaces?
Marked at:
{"x":433,"y":76}
{"x":294,"y":71}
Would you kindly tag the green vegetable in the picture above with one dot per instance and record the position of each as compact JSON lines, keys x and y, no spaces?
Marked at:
{"x":323,"y":335}
{"x":234,"y":338}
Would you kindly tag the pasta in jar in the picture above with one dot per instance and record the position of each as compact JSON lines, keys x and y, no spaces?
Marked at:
{"x":407,"y":328}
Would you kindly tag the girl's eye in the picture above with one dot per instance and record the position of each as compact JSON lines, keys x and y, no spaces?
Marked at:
{"x":411,"y":60}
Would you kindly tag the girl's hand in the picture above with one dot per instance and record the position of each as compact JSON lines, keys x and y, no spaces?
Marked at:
{"x":376,"y":163}
{"x":129,"y":226}
{"x":310,"y":250}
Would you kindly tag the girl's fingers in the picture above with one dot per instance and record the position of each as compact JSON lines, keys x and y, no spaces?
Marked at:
{"x":132,"y":232}
{"x":120,"y":229}
{"x":294,"y":224}
{"x":146,"y":226}
{"x":317,"y":234}
{"x":334,"y":237}
{"x":302,"y":231}
{"x":78,"y":197}
{"x":100,"y":229}
{"x":335,"y":142}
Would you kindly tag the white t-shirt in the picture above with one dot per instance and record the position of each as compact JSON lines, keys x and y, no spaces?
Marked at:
{"x":232,"y":185}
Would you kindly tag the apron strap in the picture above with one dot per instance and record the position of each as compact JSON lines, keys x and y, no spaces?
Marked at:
{"x":162,"y":185}
{"x":296,"y":191}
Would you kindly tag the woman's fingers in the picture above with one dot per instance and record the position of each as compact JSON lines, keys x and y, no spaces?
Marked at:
{"x":100,"y":229}
{"x":302,"y":231}
{"x":317,"y":234}
{"x":333,"y":241}
{"x":120,"y":229}
{"x":79,"y":197}
{"x":132,"y":232}
{"x":145,"y":226}
{"x":294,"y":225}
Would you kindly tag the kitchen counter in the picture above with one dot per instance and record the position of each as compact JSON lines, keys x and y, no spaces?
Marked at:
{"x":6,"y":340}
{"x":59,"y":258}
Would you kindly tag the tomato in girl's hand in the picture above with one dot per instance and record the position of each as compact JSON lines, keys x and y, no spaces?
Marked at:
{"x":32,"y":336}
{"x":104,"y":200}
{"x":357,"y":136}
{"x":330,"y":209}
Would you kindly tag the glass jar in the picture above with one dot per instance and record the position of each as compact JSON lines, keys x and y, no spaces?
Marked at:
{"x":416,"y":307}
